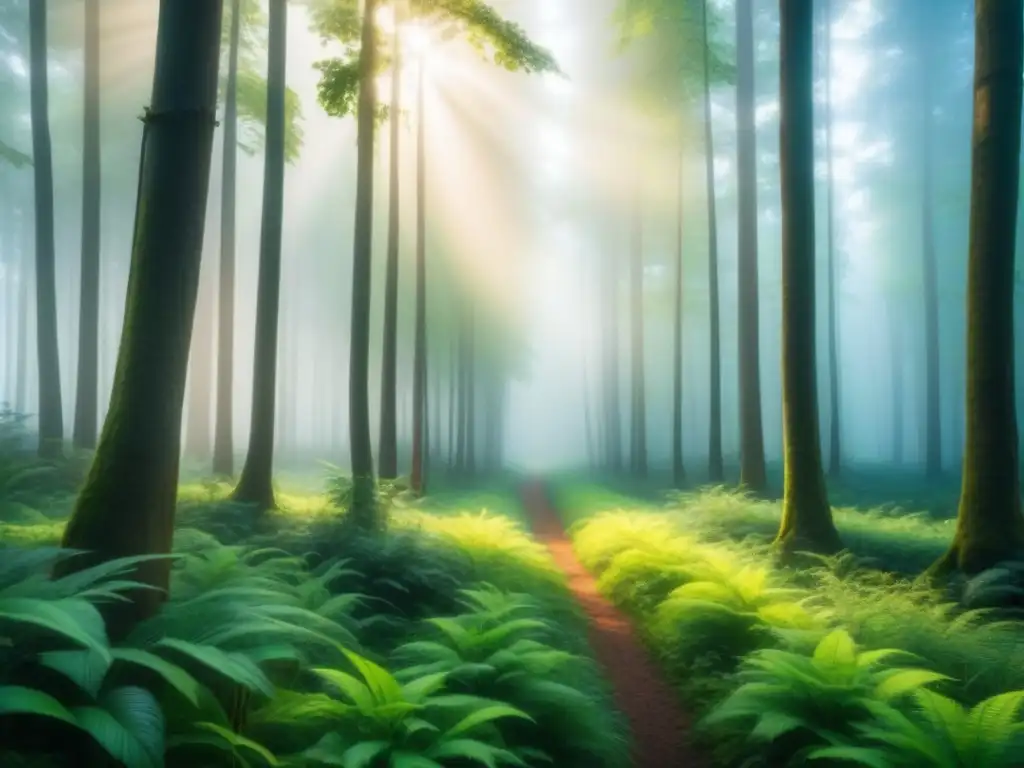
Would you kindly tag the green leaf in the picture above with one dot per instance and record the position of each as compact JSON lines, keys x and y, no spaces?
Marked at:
{"x":836,"y":649}
{"x":473,"y":750}
{"x":906,"y":681}
{"x":129,"y":727}
{"x":84,"y":668}
{"x":866,"y":756}
{"x":174,"y":675}
{"x":18,"y":700}
{"x":363,"y":754}
{"x":485,"y":715}
{"x":239,"y":742}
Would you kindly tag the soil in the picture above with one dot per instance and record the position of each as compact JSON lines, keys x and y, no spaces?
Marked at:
{"x":660,"y":729}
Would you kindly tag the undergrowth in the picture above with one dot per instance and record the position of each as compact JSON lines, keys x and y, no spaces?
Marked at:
{"x":845,"y":663}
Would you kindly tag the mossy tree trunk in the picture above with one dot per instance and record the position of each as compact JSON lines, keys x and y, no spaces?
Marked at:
{"x":752,"y":470}
{"x":364,"y":513}
{"x":126,"y":506}
{"x":223,"y":430}
{"x":389,"y":357}
{"x":255,"y":485}
{"x":806,"y":516}
{"x":990,"y":526}
{"x":420,"y":447}
{"x":51,"y":410}
{"x":87,"y":389}
{"x":716,"y":467}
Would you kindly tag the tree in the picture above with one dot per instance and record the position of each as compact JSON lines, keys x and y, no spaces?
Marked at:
{"x":678,"y":470}
{"x":638,"y":401}
{"x":716,"y":468}
{"x":990,"y":526}
{"x":51,"y":411}
{"x":752,"y":471}
{"x":347,"y":86}
{"x":417,"y":475}
{"x":126,"y":506}
{"x":87,"y":391}
{"x":835,"y":411}
{"x":806,"y":516}
{"x":256,"y":482}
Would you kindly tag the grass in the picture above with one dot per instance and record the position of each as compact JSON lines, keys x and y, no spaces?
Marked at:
{"x":736,"y":633}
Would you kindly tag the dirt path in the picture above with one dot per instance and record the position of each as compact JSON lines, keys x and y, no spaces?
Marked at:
{"x":660,"y":729}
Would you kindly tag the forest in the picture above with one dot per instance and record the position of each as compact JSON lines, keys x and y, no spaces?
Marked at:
{"x":489,"y":383}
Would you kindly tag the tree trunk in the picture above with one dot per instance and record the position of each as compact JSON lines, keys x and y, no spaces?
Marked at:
{"x":51,"y":412}
{"x":126,"y":507}
{"x":255,"y":486}
{"x":896,"y":365}
{"x":613,"y":418}
{"x":638,"y":415}
{"x":364,"y":502}
{"x":26,"y":276}
{"x":223,"y":431}
{"x":678,"y":469}
{"x":417,"y":480}
{"x":806,"y":516}
{"x":389,"y":363}
{"x":836,"y":406}
{"x":454,"y":380}
{"x":752,"y":470}
{"x":197,"y":420}
{"x":990,"y":526}
{"x":87,"y":391}
{"x":471,"y":388}
{"x":930,"y":273}
{"x":716,"y":469}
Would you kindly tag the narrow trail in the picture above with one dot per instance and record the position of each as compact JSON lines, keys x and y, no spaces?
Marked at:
{"x":660,"y":729}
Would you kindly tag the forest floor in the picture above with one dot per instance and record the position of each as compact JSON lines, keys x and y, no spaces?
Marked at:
{"x":659,"y":729}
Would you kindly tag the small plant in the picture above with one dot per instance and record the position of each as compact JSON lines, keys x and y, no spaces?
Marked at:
{"x":800,"y":702}
{"x":940,"y":733}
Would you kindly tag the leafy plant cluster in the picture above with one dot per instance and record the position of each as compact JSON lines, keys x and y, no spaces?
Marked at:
{"x":836,"y":665}
{"x":366,"y":651}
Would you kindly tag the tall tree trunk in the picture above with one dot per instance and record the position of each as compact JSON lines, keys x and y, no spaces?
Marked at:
{"x":223,"y":431}
{"x":896,"y":365}
{"x":638,"y":415}
{"x":990,"y":526}
{"x":835,"y":404}
{"x":613,"y":418}
{"x":716,"y":469}
{"x":454,"y":380}
{"x":930,"y":273}
{"x":87,"y":391}
{"x":199,"y":403}
{"x":471,"y":388}
{"x":255,"y":486}
{"x":126,"y":506}
{"x":389,"y":363}
{"x":752,"y":470}
{"x":678,"y":469}
{"x":806,"y":516}
{"x":26,"y":276}
{"x":364,"y":502}
{"x":463,"y":388}
{"x":588,"y":426}
{"x":51,"y":410}
{"x":420,"y":447}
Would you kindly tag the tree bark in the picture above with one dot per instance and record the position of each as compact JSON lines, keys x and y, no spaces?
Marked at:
{"x":87,"y":391}
{"x":418,"y":480}
{"x":990,"y":526}
{"x":255,"y":485}
{"x":364,"y":501}
{"x":26,"y":276}
{"x":678,"y":468}
{"x":223,"y":431}
{"x":51,"y":410}
{"x":389,"y":363}
{"x":126,"y":506}
{"x":613,"y":418}
{"x":752,"y":469}
{"x":806,"y":516}
{"x":471,"y":388}
{"x":896,"y":365}
{"x":716,"y":468}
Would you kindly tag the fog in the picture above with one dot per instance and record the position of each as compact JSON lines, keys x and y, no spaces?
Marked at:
{"x":530,"y":185}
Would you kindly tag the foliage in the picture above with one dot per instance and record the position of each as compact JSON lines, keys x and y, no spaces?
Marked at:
{"x":710,"y":597}
{"x":499,"y":40}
